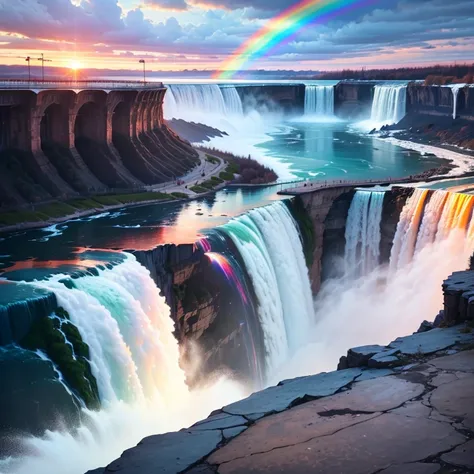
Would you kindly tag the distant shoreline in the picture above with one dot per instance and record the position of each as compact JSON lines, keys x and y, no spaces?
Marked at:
{"x":462,"y":162}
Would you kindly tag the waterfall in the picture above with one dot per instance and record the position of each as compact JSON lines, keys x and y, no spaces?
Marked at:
{"x":455,"y":89}
{"x":389,"y":104}
{"x":362,"y":251}
{"x":134,"y":358}
{"x":407,"y":229}
{"x":187,"y":101}
{"x":269,"y":244}
{"x":456,"y":214}
{"x":319,"y":100}
{"x":126,"y":324}
{"x":423,"y":222}
{"x":169,"y":106}
{"x":233,"y":103}
{"x":431,"y":219}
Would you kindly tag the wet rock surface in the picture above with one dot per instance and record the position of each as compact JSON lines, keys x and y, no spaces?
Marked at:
{"x":413,"y":419}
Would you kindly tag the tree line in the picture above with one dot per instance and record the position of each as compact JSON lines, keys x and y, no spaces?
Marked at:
{"x":438,"y":74}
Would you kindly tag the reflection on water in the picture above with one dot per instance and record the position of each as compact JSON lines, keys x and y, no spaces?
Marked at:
{"x":66,"y":247}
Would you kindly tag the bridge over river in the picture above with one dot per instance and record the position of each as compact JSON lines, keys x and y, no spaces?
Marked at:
{"x":304,"y":187}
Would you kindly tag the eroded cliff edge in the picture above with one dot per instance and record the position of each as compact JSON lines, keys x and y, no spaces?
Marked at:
{"x":403,"y":408}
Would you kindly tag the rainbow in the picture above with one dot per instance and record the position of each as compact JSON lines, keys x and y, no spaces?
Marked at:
{"x":282,"y":28}
{"x":228,"y":271}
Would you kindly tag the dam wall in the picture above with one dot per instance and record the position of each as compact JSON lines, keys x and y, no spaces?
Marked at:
{"x":58,"y":143}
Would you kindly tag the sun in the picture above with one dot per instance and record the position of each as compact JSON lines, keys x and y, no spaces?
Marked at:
{"x":75,"y":65}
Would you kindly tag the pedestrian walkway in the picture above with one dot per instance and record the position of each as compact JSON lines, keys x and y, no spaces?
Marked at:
{"x":204,"y":171}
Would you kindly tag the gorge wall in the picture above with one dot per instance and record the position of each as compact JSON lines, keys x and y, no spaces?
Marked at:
{"x":62,"y":143}
{"x":289,"y":98}
{"x":435,"y":100}
{"x":353,"y":99}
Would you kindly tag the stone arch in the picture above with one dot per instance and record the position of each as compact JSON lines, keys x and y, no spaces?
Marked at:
{"x":89,"y":122}
{"x":4,"y":128}
{"x":121,"y":120}
{"x":54,"y":126}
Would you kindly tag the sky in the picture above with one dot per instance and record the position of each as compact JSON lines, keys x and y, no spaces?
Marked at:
{"x":201,"y":34}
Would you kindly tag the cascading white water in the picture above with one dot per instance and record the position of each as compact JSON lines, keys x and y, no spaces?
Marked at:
{"x":269,"y":243}
{"x":130,"y":336}
{"x":134,"y":358}
{"x":188,"y":101}
{"x":406,"y":234}
{"x":431,"y":218}
{"x":232,"y":100}
{"x":362,"y":251}
{"x":319,"y":100}
{"x":394,"y":300}
{"x":170,"y":106}
{"x":455,"y":89}
{"x":389,"y":104}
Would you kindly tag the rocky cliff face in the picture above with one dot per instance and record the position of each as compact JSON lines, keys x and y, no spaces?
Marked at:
{"x":318,"y":205}
{"x":353,"y":99}
{"x":289,"y":97}
{"x":328,"y":210}
{"x":393,"y":204}
{"x":204,"y":307}
{"x":334,"y":241}
{"x":435,"y":100}
{"x":458,"y":291}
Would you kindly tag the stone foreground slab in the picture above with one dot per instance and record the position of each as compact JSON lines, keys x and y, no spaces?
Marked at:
{"x":413,"y":419}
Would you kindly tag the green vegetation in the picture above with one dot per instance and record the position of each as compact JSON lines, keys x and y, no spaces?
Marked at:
{"x":46,"y":334}
{"x":45,"y":212}
{"x":179,"y":195}
{"x":212,"y":159}
{"x":249,"y":171}
{"x":198,"y":189}
{"x":226,"y":176}
{"x":217,"y":180}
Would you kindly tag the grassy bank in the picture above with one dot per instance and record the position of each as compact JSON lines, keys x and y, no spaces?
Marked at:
{"x":250,"y":171}
{"x":56,"y":210}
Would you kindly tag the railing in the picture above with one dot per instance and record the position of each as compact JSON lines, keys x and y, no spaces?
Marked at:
{"x":89,"y":84}
{"x":308,"y":186}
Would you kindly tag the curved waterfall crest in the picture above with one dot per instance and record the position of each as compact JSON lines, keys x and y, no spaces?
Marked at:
{"x":389,"y":104}
{"x":268,"y":240}
{"x":184,"y":101}
{"x":127,"y":326}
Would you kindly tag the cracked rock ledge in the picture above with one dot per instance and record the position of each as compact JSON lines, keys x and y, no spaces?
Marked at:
{"x":407,"y":408}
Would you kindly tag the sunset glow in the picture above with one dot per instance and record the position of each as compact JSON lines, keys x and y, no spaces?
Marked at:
{"x":175,"y":35}
{"x":75,"y":65}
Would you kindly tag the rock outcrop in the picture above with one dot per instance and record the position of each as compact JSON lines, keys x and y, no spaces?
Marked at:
{"x":288,"y":98}
{"x":318,"y":205}
{"x":436,"y":100}
{"x":205,"y":314}
{"x":416,"y":419}
{"x":458,"y":291}
{"x":353,"y":100}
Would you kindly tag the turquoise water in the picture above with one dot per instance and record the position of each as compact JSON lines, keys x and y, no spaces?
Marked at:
{"x":328,"y":150}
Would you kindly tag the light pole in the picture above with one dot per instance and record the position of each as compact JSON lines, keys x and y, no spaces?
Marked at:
{"x":43,"y":60}
{"x":142,"y":61}
{"x":28,"y":59}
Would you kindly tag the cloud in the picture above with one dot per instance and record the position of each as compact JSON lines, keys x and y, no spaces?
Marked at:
{"x":173,"y":5}
{"x":430,"y":29}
